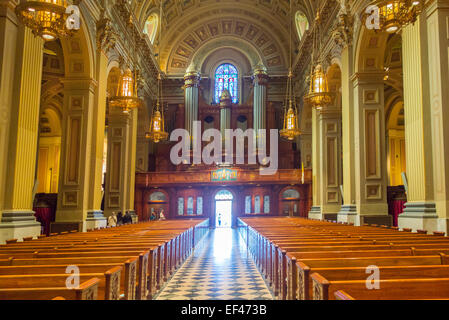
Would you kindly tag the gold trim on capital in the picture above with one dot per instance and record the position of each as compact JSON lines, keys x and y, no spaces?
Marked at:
{"x":260,"y":77}
{"x":192,"y":79}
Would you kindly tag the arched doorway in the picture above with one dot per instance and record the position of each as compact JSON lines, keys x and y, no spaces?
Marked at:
{"x":223,"y":209}
{"x":157,"y":203}
{"x":290,"y":202}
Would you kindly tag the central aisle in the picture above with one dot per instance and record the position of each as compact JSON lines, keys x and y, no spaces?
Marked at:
{"x":219,"y":269}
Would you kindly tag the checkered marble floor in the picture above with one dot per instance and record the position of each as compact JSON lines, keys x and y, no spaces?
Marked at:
{"x":219,"y":269}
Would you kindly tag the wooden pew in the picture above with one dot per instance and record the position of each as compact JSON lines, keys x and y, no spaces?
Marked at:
{"x":395,"y":289}
{"x":108,"y":286}
{"x":86,"y":291}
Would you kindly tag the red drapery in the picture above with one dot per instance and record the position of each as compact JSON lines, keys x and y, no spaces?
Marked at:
{"x":395,"y":208}
{"x":45,"y":216}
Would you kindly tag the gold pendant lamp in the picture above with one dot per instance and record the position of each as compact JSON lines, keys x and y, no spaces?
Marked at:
{"x":126,"y":97}
{"x":46,"y":18}
{"x":157,"y":131}
{"x":396,"y":14}
{"x":290,"y":128}
{"x":319,"y":95}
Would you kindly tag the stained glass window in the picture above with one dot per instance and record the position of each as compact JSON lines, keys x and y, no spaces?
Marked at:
{"x":226,"y":78}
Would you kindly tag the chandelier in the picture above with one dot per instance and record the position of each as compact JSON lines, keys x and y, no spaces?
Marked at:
{"x":319,"y":95}
{"x":396,"y":14}
{"x":126,"y":97}
{"x":290,"y":128}
{"x":157,"y":126}
{"x":46,"y":18}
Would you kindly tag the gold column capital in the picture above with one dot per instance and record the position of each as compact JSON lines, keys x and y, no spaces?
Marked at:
{"x":192,"y":79}
{"x":260,"y":76}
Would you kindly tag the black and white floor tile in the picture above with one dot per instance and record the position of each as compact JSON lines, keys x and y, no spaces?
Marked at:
{"x":219,"y":269}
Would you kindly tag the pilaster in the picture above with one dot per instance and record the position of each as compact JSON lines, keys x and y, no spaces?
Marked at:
{"x":79,"y":196}
{"x":369,"y":149}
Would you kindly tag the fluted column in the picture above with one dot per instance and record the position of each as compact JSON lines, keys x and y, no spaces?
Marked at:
{"x":420,"y":211}
{"x":192,"y":81}
{"x":437,"y":49}
{"x":225,"y":115}
{"x":260,"y":99}
{"x":21,"y":71}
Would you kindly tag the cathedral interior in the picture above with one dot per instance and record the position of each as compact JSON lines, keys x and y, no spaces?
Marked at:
{"x":91,"y":107}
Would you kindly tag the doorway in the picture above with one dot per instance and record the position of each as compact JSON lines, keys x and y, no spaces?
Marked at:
{"x":223,"y":209}
{"x":290,"y":203}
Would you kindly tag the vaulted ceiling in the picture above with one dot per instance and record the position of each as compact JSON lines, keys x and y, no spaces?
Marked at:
{"x":189,"y":25}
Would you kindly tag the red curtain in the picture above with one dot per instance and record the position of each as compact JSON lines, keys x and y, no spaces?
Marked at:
{"x":45,"y":216}
{"x":395,"y":208}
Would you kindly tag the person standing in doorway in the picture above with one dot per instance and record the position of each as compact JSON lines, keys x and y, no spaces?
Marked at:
{"x":219,"y":220}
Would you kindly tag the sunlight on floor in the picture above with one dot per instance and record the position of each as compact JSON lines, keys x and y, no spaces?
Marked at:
{"x":222,"y":245}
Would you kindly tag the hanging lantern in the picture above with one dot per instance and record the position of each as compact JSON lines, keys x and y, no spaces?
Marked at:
{"x":46,"y":18}
{"x":396,"y":14}
{"x":126,"y":97}
{"x":319,"y":95}
{"x":157,"y":127}
{"x":291,"y":128}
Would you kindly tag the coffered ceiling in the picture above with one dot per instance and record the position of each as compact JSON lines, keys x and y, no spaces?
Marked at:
{"x":188,"y":25}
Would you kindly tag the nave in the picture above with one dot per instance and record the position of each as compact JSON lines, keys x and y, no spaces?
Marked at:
{"x":220,"y":268}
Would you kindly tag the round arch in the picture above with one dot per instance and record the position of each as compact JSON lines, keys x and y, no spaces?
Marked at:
{"x":247,"y":49}
{"x":79,"y":54}
{"x":213,"y":215}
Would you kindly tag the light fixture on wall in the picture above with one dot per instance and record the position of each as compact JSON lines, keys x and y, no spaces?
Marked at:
{"x":46,"y":18}
{"x":396,"y":14}
{"x":157,"y":131}
{"x":319,"y":95}
{"x":126,"y":96}
{"x":290,"y":128}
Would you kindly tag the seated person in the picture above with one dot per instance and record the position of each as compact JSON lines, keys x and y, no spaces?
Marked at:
{"x":112,"y":220}
{"x":127,"y":219}
{"x":119,"y":218}
{"x":161,"y":215}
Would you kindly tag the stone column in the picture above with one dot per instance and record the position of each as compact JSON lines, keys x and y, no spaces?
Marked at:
{"x":225,"y":115}
{"x":420,"y":211}
{"x":369,"y":149}
{"x":118,"y":162}
{"x":21,"y":71}
{"x":330,"y":162}
{"x":260,"y":99}
{"x":130,"y":173}
{"x":437,"y":50}
{"x":80,"y":179}
{"x":315,"y":211}
{"x":192,"y":81}
{"x":79,"y":197}
{"x":348,"y":209}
